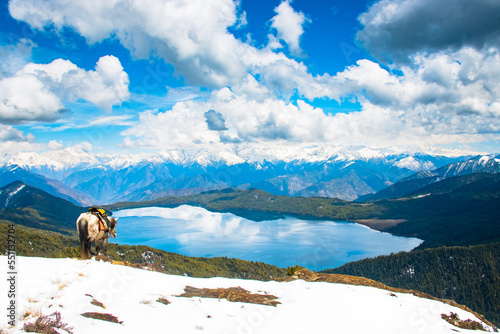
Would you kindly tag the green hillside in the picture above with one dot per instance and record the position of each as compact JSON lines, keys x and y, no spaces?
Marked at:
{"x":29,"y":206}
{"x":468,"y":275}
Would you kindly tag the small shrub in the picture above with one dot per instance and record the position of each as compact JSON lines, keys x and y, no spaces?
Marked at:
{"x":292,"y":270}
{"x":47,"y":324}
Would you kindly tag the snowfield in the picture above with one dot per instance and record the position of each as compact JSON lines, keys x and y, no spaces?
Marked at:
{"x":69,"y":286}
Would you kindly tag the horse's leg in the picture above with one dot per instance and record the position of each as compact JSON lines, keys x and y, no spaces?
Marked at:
{"x":105,"y":246}
{"x":89,"y":245}
{"x":97,"y":246}
{"x":84,"y":252}
{"x":83,"y":235}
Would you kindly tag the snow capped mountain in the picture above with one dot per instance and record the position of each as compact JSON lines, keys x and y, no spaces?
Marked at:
{"x":317,"y":170}
{"x":140,"y":301}
{"x":479,"y":164}
{"x":71,"y":159}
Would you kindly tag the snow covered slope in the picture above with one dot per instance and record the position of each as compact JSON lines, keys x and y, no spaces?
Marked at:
{"x":69,"y":286}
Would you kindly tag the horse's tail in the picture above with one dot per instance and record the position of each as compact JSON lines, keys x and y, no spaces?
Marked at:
{"x":83,"y":234}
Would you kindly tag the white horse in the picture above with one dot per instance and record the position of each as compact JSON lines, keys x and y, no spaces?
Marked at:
{"x":87,"y":226}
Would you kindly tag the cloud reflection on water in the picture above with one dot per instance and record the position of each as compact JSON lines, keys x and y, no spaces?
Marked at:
{"x":314,"y":244}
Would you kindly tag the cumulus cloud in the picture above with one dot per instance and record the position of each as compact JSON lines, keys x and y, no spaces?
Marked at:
{"x":104,"y":87}
{"x":8,"y":133}
{"x":26,"y":98}
{"x":13,"y":140}
{"x":36,"y":91}
{"x":289,"y":26}
{"x":191,"y":35}
{"x":397,"y":29}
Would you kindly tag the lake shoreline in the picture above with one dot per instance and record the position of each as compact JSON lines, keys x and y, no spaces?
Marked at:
{"x":286,"y":240}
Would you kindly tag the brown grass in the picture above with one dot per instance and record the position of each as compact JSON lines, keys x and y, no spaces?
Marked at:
{"x":231,"y":294}
{"x":464,"y":324}
{"x":97,"y":303}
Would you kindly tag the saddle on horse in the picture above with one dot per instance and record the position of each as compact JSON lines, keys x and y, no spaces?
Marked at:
{"x":103,"y":218}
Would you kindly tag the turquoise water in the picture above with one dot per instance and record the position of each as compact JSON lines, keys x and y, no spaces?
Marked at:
{"x":313,"y":244}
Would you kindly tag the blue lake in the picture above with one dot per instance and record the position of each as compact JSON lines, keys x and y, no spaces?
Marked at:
{"x":313,"y":244}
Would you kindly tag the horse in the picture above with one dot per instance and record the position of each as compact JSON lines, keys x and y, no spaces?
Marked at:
{"x":87,"y":226}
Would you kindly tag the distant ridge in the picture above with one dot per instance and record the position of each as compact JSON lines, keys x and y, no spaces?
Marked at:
{"x":479,"y":164}
{"x":328,"y":171}
{"x":11,"y":173}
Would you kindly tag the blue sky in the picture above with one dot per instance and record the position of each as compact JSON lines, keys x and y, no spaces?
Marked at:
{"x":123,"y":76}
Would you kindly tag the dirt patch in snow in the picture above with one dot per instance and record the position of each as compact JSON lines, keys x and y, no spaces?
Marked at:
{"x":235,"y":294}
{"x":163,"y":301}
{"x":102,"y":316}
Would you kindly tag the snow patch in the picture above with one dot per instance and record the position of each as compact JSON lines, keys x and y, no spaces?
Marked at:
{"x":12,"y":194}
{"x":421,"y":196}
{"x":414,"y":164}
{"x":131,"y":295}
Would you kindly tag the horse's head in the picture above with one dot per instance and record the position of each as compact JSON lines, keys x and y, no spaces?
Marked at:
{"x":112,"y":226}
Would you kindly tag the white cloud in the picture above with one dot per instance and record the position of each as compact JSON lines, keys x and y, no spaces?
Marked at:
{"x":104,"y":87}
{"x":13,"y":140}
{"x":123,"y":120}
{"x":55,"y":145}
{"x":289,"y":26}
{"x":9,"y":133}
{"x":36,"y":91}
{"x":26,"y":98}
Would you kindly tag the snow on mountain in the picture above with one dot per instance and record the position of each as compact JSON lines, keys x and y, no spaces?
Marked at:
{"x":414,"y":164}
{"x":78,"y":157}
{"x":478,"y":164}
{"x":149,"y":302}
{"x":316,"y":170}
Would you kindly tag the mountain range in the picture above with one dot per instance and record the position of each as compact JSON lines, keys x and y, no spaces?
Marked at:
{"x":89,"y":178}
